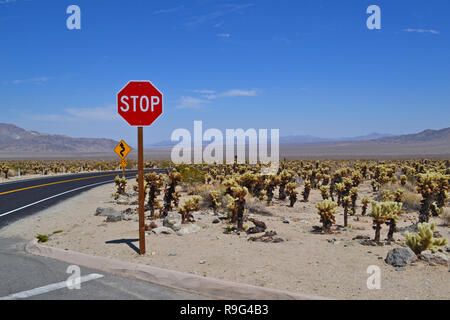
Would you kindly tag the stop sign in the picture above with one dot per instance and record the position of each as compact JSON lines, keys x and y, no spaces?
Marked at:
{"x":140,"y":103}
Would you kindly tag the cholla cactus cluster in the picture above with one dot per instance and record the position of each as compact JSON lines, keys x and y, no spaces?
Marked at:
{"x":190,"y":205}
{"x":424,"y":240}
{"x":154,"y":183}
{"x":326,"y":210}
{"x":121,"y":184}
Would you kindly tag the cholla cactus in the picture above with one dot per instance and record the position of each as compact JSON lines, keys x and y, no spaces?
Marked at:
{"x":190,"y":205}
{"x":426,"y":186}
{"x":340,"y":190}
{"x":398,"y":195}
{"x":5,"y":170}
{"x":306,"y":191}
{"x":403,"y":180}
{"x":365,"y":202}
{"x":324,"y":192}
{"x":346,"y":201}
{"x":423,"y":240}
{"x":285,"y":177}
{"x":326,"y":210}
{"x":229,"y":183}
{"x":292,"y":193}
{"x":154,"y":183}
{"x":121,"y":184}
{"x":354,"y":196}
{"x":237,"y":206}
{"x":379,"y":215}
{"x":213,"y":196}
{"x":271,"y":183}
{"x":394,"y":209}
{"x":387,"y":195}
{"x":174,"y":179}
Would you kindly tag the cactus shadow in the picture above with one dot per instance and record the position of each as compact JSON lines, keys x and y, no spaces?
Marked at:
{"x":128,"y":242}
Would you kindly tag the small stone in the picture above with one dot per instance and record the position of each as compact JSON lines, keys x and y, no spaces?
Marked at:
{"x":172,"y":254}
{"x":216,"y":221}
{"x":202,"y":261}
{"x":400,"y":269}
{"x":163,"y":230}
{"x":153,"y":253}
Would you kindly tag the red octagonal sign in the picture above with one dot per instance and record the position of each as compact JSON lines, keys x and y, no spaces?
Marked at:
{"x":140,"y":103}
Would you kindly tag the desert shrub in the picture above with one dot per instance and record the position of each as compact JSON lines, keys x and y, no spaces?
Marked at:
{"x":191,"y":175}
{"x":42,"y":238}
{"x":445,"y":216}
{"x":255,"y":206}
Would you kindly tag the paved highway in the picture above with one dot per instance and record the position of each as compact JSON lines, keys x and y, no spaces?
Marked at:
{"x":24,"y":276}
{"x":26,"y":197}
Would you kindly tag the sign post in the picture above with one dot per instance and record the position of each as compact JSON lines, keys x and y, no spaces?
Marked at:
{"x":140,"y":104}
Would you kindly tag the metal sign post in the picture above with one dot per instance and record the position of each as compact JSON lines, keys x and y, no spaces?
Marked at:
{"x":141,"y":190}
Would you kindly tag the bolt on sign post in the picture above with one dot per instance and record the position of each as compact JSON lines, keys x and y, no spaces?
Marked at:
{"x":140,"y":103}
{"x":122,"y":150}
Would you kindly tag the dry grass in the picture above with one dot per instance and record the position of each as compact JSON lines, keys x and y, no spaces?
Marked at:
{"x":445,"y":216}
{"x":410,"y":198}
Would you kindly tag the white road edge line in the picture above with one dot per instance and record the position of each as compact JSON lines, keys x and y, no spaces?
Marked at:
{"x":48,"y":288}
{"x":57,"y":195}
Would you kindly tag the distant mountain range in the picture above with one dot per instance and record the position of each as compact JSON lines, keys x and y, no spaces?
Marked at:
{"x":299,"y":139}
{"x":17,"y":140}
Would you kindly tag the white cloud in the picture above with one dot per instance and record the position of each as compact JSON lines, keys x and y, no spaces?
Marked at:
{"x":100,"y":113}
{"x":187,"y":102}
{"x":39,"y":80}
{"x":225,"y":10}
{"x":422,"y":31}
{"x":234,"y":93}
{"x":6,"y":1}
{"x":163,"y":11}
{"x":224,"y":35}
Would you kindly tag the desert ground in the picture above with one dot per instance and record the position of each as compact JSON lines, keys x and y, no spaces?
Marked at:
{"x":328,"y":265}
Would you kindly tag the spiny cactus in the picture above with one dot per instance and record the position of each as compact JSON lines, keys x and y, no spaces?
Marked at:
{"x":306,"y":191}
{"x":5,"y":170}
{"x":174,"y":178}
{"x":379,"y":215}
{"x":236,"y":206}
{"x":324,"y":192}
{"x":424,"y":240}
{"x":354,"y":196}
{"x":284,"y":178}
{"x":326,"y":210}
{"x":213,"y":196}
{"x":292,"y":193}
{"x":121,"y":184}
{"x":394,"y":209}
{"x":271,"y":183}
{"x":346,"y":201}
{"x":403,"y":180}
{"x":154,"y":183}
{"x":398,"y":194}
{"x":190,"y":205}
{"x":426,"y":186}
{"x":365,"y":202}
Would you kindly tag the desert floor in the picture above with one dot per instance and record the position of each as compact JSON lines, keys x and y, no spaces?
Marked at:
{"x":305,"y":262}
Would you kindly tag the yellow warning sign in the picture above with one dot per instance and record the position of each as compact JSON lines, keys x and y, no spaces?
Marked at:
{"x":123,"y":163}
{"x":122,"y":149}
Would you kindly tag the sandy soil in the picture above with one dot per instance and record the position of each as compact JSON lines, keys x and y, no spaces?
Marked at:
{"x":305,"y":262}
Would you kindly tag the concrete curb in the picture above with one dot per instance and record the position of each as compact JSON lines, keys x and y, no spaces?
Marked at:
{"x":214,"y":288}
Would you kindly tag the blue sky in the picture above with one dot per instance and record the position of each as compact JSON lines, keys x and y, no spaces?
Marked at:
{"x":305,"y":67}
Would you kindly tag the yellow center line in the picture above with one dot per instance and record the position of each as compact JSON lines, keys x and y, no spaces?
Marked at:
{"x":58,"y":182}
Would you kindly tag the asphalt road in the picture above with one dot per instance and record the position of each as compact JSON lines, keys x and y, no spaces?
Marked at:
{"x":25,"y":276}
{"x":22,"y":198}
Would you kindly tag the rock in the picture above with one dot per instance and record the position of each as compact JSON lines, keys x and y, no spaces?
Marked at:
{"x":172,"y":254}
{"x":216,"y":221}
{"x":189,"y":228}
{"x":129,"y":211}
{"x":123,"y":200}
{"x":202,"y":261}
{"x":331,"y":240}
{"x":104,"y":212}
{"x":114,"y":217}
{"x":435,"y":258}
{"x":400,"y":257}
{"x":173,"y":221}
{"x":400,"y":269}
{"x":163,"y":230}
